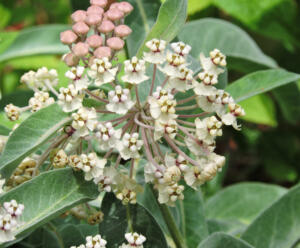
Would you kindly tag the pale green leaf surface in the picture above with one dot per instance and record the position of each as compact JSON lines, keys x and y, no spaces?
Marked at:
{"x":259,"y":82}
{"x":31,"y":133}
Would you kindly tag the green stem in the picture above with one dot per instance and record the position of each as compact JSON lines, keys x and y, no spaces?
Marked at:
{"x":129,"y":218}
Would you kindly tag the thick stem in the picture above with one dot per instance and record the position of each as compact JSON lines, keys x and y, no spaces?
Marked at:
{"x":187,"y":107}
{"x":153,"y":79}
{"x":186,"y":99}
{"x":142,"y":124}
{"x":129,"y":218}
{"x":109,"y":152}
{"x":137,"y":97}
{"x":102,"y":111}
{"x":131,"y":168}
{"x":118,"y":161}
{"x":186,"y":122}
{"x":120,"y":118}
{"x":96,"y":97}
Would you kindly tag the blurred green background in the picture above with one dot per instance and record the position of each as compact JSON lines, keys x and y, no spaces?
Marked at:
{"x":267,"y":148}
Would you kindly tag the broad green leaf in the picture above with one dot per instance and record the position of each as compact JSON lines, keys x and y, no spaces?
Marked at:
{"x":279,"y":225}
{"x":115,"y":225}
{"x":218,"y":240}
{"x":31,"y":133}
{"x":140,"y":21}
{"x":195,"y":227}
{"x":259,"y":82}
{"x":6,"y":38}
{"x":242,"y":202}
{"x":171,"y":17}
{"x":36,"y":40}
{"x":207,"y":34}
{"x":195,"y":6}
{"x":48,"y":195}
{"x":260,"y":109}
{"x":235,"y":228}
{"x":4,"y":130}
{"x":19,"y":98}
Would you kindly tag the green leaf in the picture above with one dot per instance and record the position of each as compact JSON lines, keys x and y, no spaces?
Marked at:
{"x":242,"y":202}
{"x":279,"y":225}
{"x":36,"y":40}
{"x":259,"y":82}
{"x":207,"y":34}
{"x":31,"y":133}
{"x":114,"y":225}
{"x":234,"y":228}
{"x":195,"y":227}
{"x":260,"y":109}
{"x":49,"y":195}
{"x":195,"y":6}
{"x":218,"y":240}
{"x":140,"y":21}
{"x":4,"y":130}
{"x":171,"y":17}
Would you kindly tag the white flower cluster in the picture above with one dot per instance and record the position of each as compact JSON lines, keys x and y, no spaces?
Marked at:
{"x":93,"y":242}
{"x":10,"y":214}
{"x":134,"y":240}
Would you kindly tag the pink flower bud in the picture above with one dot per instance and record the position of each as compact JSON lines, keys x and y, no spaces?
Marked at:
{"x":81,"y":28}
{"x":102,"y":52}
{"x":95,"y":10}
{"x":100,"y":3}
{"x":122,"y":31}
{"x":78,"y":16}
{"x":115,"y":43}
{"x":68,"y":37}
{"x":125,"y":7}
{"x":81,"y":49}
{"x":114,"y":14}
{"x":93,"y":19}
{"x":70,"y":59}
{"x":106,"y":27}
{"x":94,"y":41}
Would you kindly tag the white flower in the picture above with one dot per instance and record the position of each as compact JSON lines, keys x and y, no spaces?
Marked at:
{"x":107,"y":135}
{"x":208,"y":78}
{"x":208,"y":128}
{"x":184,"y":80}
{"x":205,"y":90}
{"x":230,"y":118}
{"x":171,"y":68}
{"x":12,"y":112}
{"x":2,"y":182}
{"x":172,"y":174}
{"x":169,"y":127}
{"x":129,"y":146}
{"x":156,"y":54}
{"x":180,"y":162}
{"x":106,"y":181}
{"x":198,"y":147}
{"x":217,"y":57}
{"x":29,"y":79}
{"x":135,"y":240}
{"x":46,"y":78}
{"x":60,"y":159}
{"x":92,"y":165}
{"x":69,"y":98}
{"x":80,"y":246}
{"x":162,"y":108}
{"x":83,"y":121}
{"x":119,"y":100}
{"x":181,"y":48}
{"x":209,"y":67}
{"x":95,"y":242}
{"x":7,"y":226}
{"x":134,"y":71}
{"x":193,"y":177}
{"x":75,"y":162}
{"x":75,"y":73}
{"x":13,"y":208}
{"x":168,"y":194}
{"x":40,"y":100}
{"x":153,"y":174}
{"x":102,"y":72}
{"x":159,"y":92}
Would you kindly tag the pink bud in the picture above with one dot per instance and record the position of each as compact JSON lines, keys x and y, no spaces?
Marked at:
{"x":93,"y":19}
{"x":70,"y":59}
{"x":106,"y":27}
{"x":114,"y":6}
{"x":94,"y":41}
{"x":68,"y":37}
{"x":115,"y":43}
{"x":94,"y":9}
{"x":125,"y":7}
{"x":78,"y":16}
{"x":100,"y":3}
{"x":122,"y":31}
{"x":80,"y":28}
{"x":80,"y":49}
{"x":102,"y":52}
{"x":114,"y":14}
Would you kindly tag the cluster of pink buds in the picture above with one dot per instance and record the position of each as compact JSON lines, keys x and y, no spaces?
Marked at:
{"x":97,"y":32}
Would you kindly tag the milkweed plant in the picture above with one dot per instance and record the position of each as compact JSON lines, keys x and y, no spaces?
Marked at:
{"x":110,"y":128}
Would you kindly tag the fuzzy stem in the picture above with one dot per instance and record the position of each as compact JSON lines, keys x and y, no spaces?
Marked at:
{"x":187,"y":107}
{"x":137,"y":97}
{"x":51,"y":88}
{"x":104,"y":111}
{"x":118,"y":161}
{"x":187,"y":99}
{"x":186,"y":122}
{"x":109,"y":152}
{"x":140,"y":123}
{"x":193,"y":116}
{"x":120,"y":118}
{"x":165,"y":81}
{"x":129,"y":218}
{"x":131,"y":168}
{"x":153,"y":79}
{"x":96,"y":97}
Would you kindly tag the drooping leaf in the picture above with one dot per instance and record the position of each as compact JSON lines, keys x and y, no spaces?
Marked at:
{"x":115,"y":225}
{"x":218,"y":240}
{"x":171,"y":17}
{"x":279,"y":225}
{"x":48,"y":195}
{"x":207,"y":34}
{"x":242,"y":202}
{"x":259,"y":82}
{"x":31,"y":133}
{"x":36,"y":40}
{"x":140,"y":21}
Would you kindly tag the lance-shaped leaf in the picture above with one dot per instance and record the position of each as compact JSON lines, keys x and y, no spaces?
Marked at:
{"x":279,"y":225}
{"x":36,"y":40}
{"x":171,"y":18}
{"x":31,"y":133}
{"x":259,"y":82}
{"x":49,"y":195}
